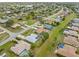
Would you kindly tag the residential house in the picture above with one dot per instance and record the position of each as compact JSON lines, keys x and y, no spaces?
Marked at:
{"x":3,"y":55}
{"x":32,"y":38}
{"x":58,"y":19}
{"x":76,"y":20}
{"x":40,"y":30}
{"x":75,"y":24}
{"x":71,"y":32}
{"x":15,"y":25}
{"x":49,"y":21}
{"x":20,"y":48}
{"x":20,"y":36}
{"x":64,"y":12}
{"x":24,"y":53}
{"x":71,"y":41}
{"x":67,"y":51}
{"x":74,"y":28}
{"x":3,"y":20}
{"x":78,"y":38}
{"x":2,"y":31}
{"x":8,"y":11}
{"x":49,"y":27}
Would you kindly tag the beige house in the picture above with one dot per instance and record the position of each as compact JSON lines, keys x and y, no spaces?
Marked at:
{"x":15,"y":25}
{"x":2,"y":31}
{"x":50,"y":21}
{"x":71,"y":32}
{"x":71,"y":41}
{"x":40,"y":30}
{"x":74,"y":28}
{"x":67,"y":51}
{"x":20,"y":47}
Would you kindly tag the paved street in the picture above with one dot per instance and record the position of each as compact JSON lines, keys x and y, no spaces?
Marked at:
{"x":25,"y":27}
{"x":12,"y":35}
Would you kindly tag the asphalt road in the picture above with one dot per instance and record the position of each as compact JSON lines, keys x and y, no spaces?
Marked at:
{"x":14,"y":35}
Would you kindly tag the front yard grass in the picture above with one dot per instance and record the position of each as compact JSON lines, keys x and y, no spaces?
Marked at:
{"x":6,"y":49}
{"x":30,"y":22}
{"x":28,"y":32}
{"x":4,"y":36}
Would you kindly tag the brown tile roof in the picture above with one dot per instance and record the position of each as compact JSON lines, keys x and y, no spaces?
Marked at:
{"x":40,"y":30}
{"x":71,"y":40}
{"x":22,"y":45}
{"x":67,"y":51}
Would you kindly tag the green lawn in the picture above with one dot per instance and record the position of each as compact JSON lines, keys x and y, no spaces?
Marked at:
{"x":6,"y":49}
{"x":51,"y":43}
{"x":17,"y":29}
{"x":30,"y":22}
{"x":28,"y":32}
{"x":59,"y":40}
{"x":1,"y":14}
{"x":4,"y":36}
{"x":39,"y":43}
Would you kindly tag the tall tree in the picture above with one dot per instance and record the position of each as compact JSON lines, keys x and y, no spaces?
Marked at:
{"x":9,"y":23}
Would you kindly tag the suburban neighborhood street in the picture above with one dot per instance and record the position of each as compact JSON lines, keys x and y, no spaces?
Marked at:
{"x":25,"y":27}
{"x":39,"y":29}
{"x":12,"y":35}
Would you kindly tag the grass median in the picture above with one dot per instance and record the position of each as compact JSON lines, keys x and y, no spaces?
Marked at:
{"x":51,"y":42}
